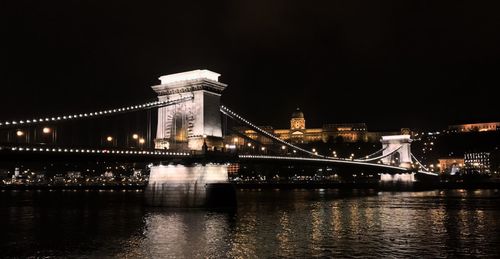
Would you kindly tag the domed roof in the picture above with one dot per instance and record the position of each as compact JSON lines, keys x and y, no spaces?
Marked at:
{"x":298,"y":114}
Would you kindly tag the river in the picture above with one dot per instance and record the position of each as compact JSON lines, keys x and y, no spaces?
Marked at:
{"x":266,"y":224}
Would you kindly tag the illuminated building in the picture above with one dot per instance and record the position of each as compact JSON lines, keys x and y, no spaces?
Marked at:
{"x":450,"y":165}
{"x":475,"y":127}
{"x":299,"y":133}
{"x":477,"y":163}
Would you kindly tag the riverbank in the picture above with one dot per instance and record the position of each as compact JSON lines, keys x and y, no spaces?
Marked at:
{"x":73,"y":187}
{"x":416,"y":186}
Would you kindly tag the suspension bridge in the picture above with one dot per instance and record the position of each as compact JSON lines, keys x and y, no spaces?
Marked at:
{"x":191,"y":126}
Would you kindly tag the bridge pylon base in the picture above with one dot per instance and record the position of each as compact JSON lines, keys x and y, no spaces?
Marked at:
{"x":190,"y":186}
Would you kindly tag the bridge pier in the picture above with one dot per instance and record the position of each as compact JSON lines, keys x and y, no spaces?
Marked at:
{"x":400,"y":148}
{"x":398,"y":178}
{"x":186,"y":186}
{"x":397,"y":182}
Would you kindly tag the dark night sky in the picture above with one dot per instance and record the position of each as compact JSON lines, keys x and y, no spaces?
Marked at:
{"x":391,"y":64}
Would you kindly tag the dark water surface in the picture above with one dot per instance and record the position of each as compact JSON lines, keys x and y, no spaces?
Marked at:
{"x":293,"y":223}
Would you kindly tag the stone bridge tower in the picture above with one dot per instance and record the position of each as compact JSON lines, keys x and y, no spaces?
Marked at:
{"x":400,"y":145}
{"x":187,"y":125}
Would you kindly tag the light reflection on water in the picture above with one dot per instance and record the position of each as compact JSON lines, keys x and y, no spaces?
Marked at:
{"x":296,"y":223}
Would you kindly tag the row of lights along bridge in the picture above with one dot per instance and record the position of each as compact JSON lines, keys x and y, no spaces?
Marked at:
{"x":23,"y":136}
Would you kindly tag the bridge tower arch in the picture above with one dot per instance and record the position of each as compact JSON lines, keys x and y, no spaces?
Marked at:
{"x":187,"y":125}
{"x":396,"y":150}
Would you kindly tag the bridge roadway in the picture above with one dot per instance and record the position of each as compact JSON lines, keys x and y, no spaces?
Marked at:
{"x":336,"y":162}
{"x":59,"y":154}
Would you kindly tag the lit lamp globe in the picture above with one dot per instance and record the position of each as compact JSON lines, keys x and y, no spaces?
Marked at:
{"x":46,"y":130}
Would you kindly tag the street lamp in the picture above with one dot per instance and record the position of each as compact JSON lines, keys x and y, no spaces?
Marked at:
{"x":46,"y":130}
{"x":205,"y":146}
{"x":135,"y":136}
{"x":23,"y":136}
{"x":141,"y":142}
{"x":109,"y":138}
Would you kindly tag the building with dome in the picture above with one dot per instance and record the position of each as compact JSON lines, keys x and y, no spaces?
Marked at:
{"x":298,"y":133}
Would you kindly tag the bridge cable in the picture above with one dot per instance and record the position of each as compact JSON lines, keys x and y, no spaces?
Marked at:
{"x":379,"y":157}
{"x":226,"y":111}
{"x":102,"y":113}
{"x":418,"y":162}
{"x":372,"y":154}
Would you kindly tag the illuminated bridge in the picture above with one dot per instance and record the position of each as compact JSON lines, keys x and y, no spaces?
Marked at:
{"x":189,"y":150}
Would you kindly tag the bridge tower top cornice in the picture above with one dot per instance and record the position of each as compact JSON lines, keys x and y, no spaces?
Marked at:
{"x":189,"y":86}
{"x":190,"y":81}
{"x":396,"y":139}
